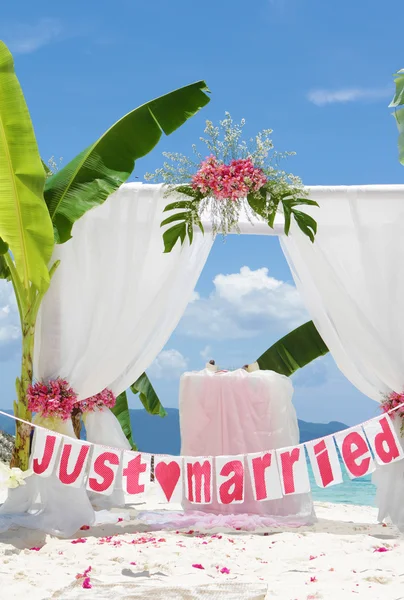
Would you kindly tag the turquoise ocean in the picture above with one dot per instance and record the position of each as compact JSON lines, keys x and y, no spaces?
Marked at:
{"x":359,"y":491}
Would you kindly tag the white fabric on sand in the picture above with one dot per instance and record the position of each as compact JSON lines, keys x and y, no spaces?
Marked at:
{"x":44,"y":503}
{"x":351,"y":282}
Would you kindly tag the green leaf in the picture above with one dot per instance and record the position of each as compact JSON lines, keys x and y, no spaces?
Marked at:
{"x":190,"y":233}
{"x":181,"y":216}
{"x":306,"y":223}
{"x":148,"y":396}
{"x":399,"y":115}
{"x":287,"y":214}
{"x":294,"y":351}
{"x":187,"y":190}
{"x":398,"y":99}
{"x":179,"y":204}
{"x":172,"y":235}
{"x":95,"y":173}
{"x":25,"y":224}
{"x":3,"y":247}
{"x":121,"y":411}
{"x":47,"y":170}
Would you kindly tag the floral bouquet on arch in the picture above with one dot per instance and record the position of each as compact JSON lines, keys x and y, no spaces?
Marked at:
{"x":235,"y":177}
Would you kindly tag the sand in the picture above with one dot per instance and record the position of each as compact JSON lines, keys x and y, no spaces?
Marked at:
{"x":347,"y":554}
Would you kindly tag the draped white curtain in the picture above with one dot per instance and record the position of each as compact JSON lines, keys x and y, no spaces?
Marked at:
{"x":352,"y":282}
{"x":116,"y":297}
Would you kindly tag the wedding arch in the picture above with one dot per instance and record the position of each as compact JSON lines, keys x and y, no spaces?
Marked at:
{"x":116,"y":297}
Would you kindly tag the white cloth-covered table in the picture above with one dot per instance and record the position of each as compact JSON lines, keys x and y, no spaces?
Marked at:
{"x":235,"y":412}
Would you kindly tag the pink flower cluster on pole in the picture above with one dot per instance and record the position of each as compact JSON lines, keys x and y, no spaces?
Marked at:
{"x":228,"y":182}
{"x":53,"y":399}
{"x":392,"y":401}
{"x":104,"y":399}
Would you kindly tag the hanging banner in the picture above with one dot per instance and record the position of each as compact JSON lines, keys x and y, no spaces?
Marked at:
{"x":230,"y":479}
{"x":324,"y":462}
{"x":355,"y":452}
{"x":168,"y":475}
{"x":271,"y":475}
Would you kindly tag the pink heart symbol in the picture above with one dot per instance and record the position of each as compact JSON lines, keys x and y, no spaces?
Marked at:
{"x":167,"y":474}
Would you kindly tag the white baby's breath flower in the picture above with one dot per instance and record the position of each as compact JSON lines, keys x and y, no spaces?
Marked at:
{"x":12,"y":477}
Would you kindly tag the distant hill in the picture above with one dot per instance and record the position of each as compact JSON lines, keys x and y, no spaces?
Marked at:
{"x":162,"y":436}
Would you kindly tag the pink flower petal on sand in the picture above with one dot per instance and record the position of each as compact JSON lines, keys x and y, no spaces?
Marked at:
{"x":198,"y":567}
{"x":312,"y":557}
{"x":313,"y":579}
{"x":132,"y":563}
{"x":35,"y":548}
{"x":381,"y":549}
{"x":225,"y":571}
{"x":85,"y":528}
{"x":87,"y":584}
{"x":79,"y":541}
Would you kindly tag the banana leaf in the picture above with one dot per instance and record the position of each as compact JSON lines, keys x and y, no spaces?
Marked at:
{"x":25,"y":224}
{"x":95,"y":173}
{"x":293,"y":351}
{"x":148,"y":396}
{"x":121,"y":411}
{"x":399,"y":115}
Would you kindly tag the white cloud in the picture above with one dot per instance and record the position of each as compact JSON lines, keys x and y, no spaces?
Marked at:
{"x":10,"y":332}
{"x":195,"y":296}
{"x":244,"y":305}
{"x":322,"y":97}
{"x":24,"y":38}
{"x":169,"y":364}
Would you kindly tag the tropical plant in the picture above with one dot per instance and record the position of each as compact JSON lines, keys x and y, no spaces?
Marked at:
{"x":148,"y":398}
{"x":398,"y":104}
{"x":39,"y":209}
{"x":294,"y":351}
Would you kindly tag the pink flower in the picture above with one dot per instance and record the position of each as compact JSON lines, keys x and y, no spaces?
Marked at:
{"x":104,"y":399}
{"x":85,"y":527}
{"x":198,"y":567}
{"x":381,"y":549}
{"x":228,"y":182}
{"x":54,"y":399}
{"x":79,"y":541}
{"x":313,"y":579}
{"x":225,"y":570}
{"x":35,"y":548}
{"x":87,"y":584}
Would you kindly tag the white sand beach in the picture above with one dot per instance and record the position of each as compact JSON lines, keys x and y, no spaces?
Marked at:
{"x":346,"y":554}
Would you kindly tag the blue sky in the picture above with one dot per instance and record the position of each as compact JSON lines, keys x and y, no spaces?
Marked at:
{"x":319,"y":74}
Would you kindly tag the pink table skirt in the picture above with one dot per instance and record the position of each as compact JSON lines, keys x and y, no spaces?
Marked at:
{"x":236,"y":412}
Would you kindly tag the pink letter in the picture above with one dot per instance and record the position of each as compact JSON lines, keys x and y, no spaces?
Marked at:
{"x":107,"y":474}
{"x":132,"y":473}
{"x":259,"y":464}
{"x":64,"y":476}
{"x":41,"y":467}
{"x":351,"y":456}
{"x":195,"y":473}
{"x":323,"y":461}
{"x":386,"y":436}
{"x":236,"y":481}
{"x":288,"y":459}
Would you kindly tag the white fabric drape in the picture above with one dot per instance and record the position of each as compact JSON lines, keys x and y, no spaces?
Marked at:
{"x":116,"y":297}
{"x":351,"y":280}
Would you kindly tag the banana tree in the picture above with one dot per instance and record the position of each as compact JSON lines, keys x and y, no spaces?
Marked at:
{"x":38,"y":210}
{"x":398,"y":104}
